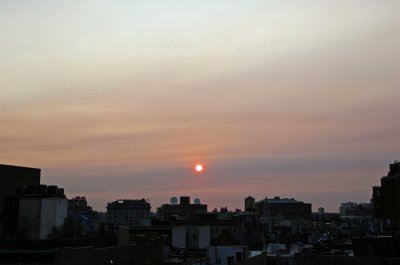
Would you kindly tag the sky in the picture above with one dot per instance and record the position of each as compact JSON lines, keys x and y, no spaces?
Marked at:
{"x":119,"y":99}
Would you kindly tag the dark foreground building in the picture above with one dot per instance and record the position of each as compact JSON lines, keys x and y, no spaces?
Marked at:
{"x":94,"y":251}
{"x":12,"y":177}
{"x":34,"y":212}
{"x":386,"y":198}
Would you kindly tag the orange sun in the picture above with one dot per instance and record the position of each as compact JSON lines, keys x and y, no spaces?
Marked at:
{"x":198,"y":168}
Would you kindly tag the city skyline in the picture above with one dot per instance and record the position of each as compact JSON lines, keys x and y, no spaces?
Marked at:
{"x":122,"y":99}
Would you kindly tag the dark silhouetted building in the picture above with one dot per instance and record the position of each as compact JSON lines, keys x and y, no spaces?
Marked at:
{"x":12,"y":177}
{"x":377,"y":201}
{"x":321,"y":214}
{"x":129,"y":212}
{"x":182,"y":210}
{"x":250,"y":204}
{"x":386,"y":199}
{"x":184,"y":200}
{"x":285,"y":208}
{"x":80,"y":211}
{"x":34,"y":211}
{"x":284,"y":216}
{"x":377,"y":246}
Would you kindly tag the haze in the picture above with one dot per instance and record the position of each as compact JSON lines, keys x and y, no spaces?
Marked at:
{"x":119,"y":99}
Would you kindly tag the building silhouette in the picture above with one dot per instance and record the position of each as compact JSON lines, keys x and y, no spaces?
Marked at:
{"x":184,"y":209}
{"x":34,"y":211}
{"x":386,"y":198}
{"x":250,"y":204}
{"x":81,"y":212}
{"x":285,"y":208}
{"x":321,"y":214}
{"x":129,"y":212}
{"x":377,"y":201}
{"x":12,"y":177}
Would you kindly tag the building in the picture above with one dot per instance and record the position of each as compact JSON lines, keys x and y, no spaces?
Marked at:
{"x":80,"y":211}
{"x":321,"y":214}
{"x":34,"y":211}
{"x":354,"y":210}
{"x":377,"y":246}
{"x":250,"y":204}
{"x":226,"y":255}
{"x":77,"y":206}
{"x":344,"y":206}
{"x":191,"y":236}
{"x":284,"y":208}
{"x":129,"y":212}
{"x":220,"y":232}
{"x":377,"y":201}
{"x":12,"y":177}
{"x":386,"y":198}
{"x":283,"y":217}
{"x":184,"y":209}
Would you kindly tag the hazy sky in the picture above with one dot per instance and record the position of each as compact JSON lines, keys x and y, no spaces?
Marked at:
{"x":119,"y":99}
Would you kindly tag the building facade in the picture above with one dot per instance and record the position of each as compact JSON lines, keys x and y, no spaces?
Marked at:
{"x":12,"y":177}
{"x":386,"y":198}
{"x":354,"y":210}
{"x":129,"y":212}
{"x":249,"y":204}
{"x":191,"y":236}
{"x":34,"y":211}
{"x":285,"y":208}
{"x":184,"y":209}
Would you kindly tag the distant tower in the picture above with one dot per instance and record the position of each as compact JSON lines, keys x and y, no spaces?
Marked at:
{"x":250,"y":204}
{"x":321,"y":214}
{"x":197,"y":201}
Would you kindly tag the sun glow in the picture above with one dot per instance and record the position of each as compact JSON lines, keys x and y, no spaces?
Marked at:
{"x":198,"y":168}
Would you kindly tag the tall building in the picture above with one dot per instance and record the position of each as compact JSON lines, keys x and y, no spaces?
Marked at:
{"x":386,"y":198}
{"x":34,"y":211}
{"x":377,"y":202}
{"x":129,"y":212}
{"x":321,"y":214}
{"x":12,"y":177}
